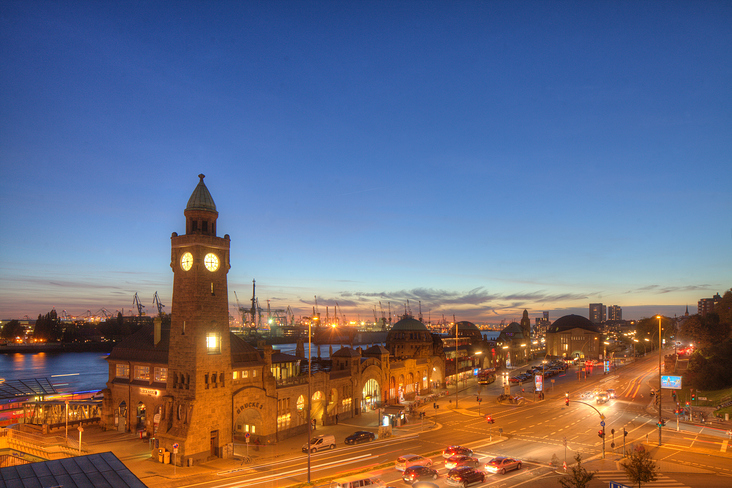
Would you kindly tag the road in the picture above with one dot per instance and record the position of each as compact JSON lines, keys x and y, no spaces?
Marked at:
{"x":535,"y":433}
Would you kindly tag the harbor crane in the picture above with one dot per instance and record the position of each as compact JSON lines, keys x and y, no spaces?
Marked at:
{"x":156,"y":301}
{"x":140,"y":306}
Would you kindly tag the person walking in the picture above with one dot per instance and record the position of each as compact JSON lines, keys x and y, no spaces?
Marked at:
{"x":336,"y":419}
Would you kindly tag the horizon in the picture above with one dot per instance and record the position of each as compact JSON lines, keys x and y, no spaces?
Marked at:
{"x":479,"y":158}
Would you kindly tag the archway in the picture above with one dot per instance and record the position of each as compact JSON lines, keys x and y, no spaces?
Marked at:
{"x":400,"y":388}
{"x":141,"y":416}
{"x":249,"y":422}
{"x":333,"y":403}
{"x":317,"y":409}
{"x":120,"y":417}
{"x":371,"y":395}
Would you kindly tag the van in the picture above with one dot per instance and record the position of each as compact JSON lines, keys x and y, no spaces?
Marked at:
{"x":320,"y":442}
{"x":358,"y":481}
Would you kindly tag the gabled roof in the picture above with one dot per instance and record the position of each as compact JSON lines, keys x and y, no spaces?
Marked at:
{"x":140,"y":346}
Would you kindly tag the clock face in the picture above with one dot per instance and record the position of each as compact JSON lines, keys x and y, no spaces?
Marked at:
{"x":211,"y":261}
{"x":186,"y":261}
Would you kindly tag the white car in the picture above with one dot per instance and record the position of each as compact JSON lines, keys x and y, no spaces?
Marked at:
{"x":408,"y":460}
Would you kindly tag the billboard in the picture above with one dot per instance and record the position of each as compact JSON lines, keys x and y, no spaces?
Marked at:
{"x":671,"y":382}
{"x":539,"y":382}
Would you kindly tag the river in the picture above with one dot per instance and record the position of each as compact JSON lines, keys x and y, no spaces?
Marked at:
{"x":85,"y":371}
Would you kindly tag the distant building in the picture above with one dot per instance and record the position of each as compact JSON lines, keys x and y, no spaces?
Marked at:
{"x":573,"y":336}
{"x":614,"y":312}
{"x":706,"y":305}
{"x":597,"y":313}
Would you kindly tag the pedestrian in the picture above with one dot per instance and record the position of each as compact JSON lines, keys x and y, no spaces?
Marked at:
{"x":336,"y":419}
{"x":256,"y":444}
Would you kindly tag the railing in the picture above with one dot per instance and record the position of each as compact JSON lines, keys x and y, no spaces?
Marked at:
{"x":46,"y":447}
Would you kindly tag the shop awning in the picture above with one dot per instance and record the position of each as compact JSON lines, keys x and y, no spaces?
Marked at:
{"x":393,"y":409}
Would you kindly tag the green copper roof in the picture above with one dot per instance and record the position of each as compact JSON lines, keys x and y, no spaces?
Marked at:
{"x":201,"y":198}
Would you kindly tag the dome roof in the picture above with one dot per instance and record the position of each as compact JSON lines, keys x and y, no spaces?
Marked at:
{"x":572,"y":322}
{"x":465,"y":328}
{"x":410,"y":323}
{"x":200,"y":198}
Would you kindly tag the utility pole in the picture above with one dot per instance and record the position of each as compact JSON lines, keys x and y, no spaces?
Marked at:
{"x":660,"y":391}
{"x":457,"y":365}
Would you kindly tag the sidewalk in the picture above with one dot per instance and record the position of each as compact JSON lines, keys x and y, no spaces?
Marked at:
{"x":136,"y":454}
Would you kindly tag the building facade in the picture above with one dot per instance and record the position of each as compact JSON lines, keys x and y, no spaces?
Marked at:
{"x":573,"y":336}
{"x":597,"y":313}
{"x":196,"y":387}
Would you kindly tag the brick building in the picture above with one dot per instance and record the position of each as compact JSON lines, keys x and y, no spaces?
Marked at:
{"x":197,"y":385}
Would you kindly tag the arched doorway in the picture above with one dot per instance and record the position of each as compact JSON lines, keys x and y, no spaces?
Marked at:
{"x":141,"y":416}
{"x":120,"y":417}
{"x":333,"y":403}
{"x":371,"y":395}
{"x":400,"y":389}
{"x":249,"y":422}
{"x":317,"y":409}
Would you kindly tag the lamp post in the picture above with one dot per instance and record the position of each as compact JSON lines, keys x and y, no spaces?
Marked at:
{"x":310,"y":393}
{"x":457,"y":365}
{"x":660,"y":395}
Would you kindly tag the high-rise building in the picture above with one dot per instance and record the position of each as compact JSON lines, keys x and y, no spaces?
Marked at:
{"x":597,"y":313}
{"x":614,"y":312}
{"x":706,"y":305}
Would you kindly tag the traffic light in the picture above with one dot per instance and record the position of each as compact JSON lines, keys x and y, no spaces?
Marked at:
{"x":601,"y":433}
{"x":663,"y":422}
{"x":693,"y":395}
{"x":566,"y":399}
{"x":625,"y":432}
{"x":489,"y":419}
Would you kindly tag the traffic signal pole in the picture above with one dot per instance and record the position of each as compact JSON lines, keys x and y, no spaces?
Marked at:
{"x":602,"y":421}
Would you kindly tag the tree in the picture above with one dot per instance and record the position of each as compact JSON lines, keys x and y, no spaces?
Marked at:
{"x":578,"y":476}
{"x":12,"y":329}
{"x":723,"y":308}
{"x":640,"y":466}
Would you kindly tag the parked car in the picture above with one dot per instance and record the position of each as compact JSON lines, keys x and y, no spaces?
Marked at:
{"x":408,"y":460}
{"x":456,"y":450}
{"x":515,"y":379}
{"x":502,"y":464}
{"x":320,"y":442}
{"x":360,"y":436}
{"x":459,"y":460}
{"x":465,"y":476}
{"x":418,"y":473}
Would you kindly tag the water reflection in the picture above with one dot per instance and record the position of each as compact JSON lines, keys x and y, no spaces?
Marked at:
{"x":86,"y":370}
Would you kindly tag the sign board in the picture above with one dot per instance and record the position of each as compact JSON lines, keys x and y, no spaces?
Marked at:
{"x":602,"y":423}
{"x":671,"y":382}
{"x":149,"y":391}
{"x":618,"y":485}
{"x":539,"y":382}
{"x":176,"y":446}
{"x":607,"y":366}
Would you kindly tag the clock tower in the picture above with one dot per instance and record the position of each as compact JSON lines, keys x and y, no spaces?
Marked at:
{"x":198,"y":407}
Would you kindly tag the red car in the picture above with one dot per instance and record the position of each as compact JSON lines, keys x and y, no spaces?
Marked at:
{"x":456,"y":451}
{"x":458,"y":461}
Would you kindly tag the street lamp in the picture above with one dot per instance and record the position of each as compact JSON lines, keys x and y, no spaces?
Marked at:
{"x":660,"y":395}
{"x":310,"y":393}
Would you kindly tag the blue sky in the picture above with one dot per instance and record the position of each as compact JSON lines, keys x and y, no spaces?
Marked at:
{"x":481,"y":158}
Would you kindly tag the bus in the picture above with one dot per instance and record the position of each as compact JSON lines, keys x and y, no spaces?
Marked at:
{"x":486,"y":376}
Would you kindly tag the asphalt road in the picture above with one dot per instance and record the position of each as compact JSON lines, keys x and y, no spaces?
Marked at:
{"x":537,"y":432}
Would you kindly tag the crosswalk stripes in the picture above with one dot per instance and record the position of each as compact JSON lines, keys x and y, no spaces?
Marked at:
{"x":662,"y":481}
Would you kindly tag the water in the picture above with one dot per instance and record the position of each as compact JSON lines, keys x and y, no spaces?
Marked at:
{"x":67,"y":371}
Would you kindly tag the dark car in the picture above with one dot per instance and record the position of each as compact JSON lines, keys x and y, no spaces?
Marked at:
{"x":502,"y":464}
{"x":465,"y":476}
{"x":418,"y":473}
{"x":359,"y":437}
{"x":457,"y":451}
{"x":458,"y":460}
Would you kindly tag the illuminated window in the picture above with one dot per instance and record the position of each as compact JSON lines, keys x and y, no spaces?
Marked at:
{"x":245,"y":374}
{"x":236,"y":375}
{"x":161,"y":375}
{"x":283,"y":421}
{"x":123,"y":371}
{"x":142,"y":373}
{"x":300,"y":403}
{"x":213,"y":343}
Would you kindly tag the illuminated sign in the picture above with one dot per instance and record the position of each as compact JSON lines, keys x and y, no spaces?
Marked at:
{"x":149,"y":391}
{"x":539,"y":382}
{"x":671,"y":382}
